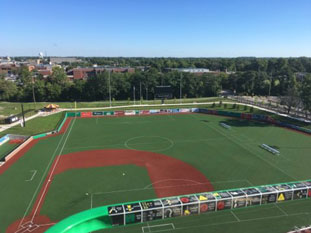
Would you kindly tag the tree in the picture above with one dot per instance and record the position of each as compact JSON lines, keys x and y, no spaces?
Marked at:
{"x":58,"y":76}
{"x":291,"y":98}
{"x":306,"y":93}
{"x":8,"y":90}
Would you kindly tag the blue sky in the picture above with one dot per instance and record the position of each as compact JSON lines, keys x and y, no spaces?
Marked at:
{"x":156,"y":28}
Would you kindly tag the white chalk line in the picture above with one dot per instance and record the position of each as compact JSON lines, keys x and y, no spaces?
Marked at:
{"x":280,"y":209}
{"x":126,"y":143}
{"x":171,"y":225}
{"x":151,"y":143}
{"x":34,"y":172}
{"x":165,"y":187}
{"x":249,"y":150}
{"x":234,"y":215}
{"x":53,"y":169}
{"x":42,"y":178}
{"x":241,"y":221}
{"x":165,"y":180}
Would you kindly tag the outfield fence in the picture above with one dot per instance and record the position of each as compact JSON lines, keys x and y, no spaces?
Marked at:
{"x":123,"y":214}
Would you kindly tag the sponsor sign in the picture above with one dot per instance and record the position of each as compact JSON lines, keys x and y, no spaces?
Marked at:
{"x":86,"y":114}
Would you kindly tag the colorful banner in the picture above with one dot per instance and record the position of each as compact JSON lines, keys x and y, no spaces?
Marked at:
{"x":86,"y":114}
{"x":119,"y":113}
{"x":129,"y":112}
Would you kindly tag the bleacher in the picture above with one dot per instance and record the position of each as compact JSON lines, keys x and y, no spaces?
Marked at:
{"x":270,"y":149}
{"x":225,"y":125}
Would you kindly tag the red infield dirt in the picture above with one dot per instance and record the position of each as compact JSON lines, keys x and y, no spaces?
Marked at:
{"x":168,"y":175}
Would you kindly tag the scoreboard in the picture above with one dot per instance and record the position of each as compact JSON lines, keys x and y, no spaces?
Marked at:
{"x":200,"y":203}
{"x":163,"y":92}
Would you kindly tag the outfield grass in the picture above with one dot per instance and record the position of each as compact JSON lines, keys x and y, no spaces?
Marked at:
{"x":14,"y":108}
{"x":228,"y":158}
{"x":36,"y":126}
{"x":6,"y":148}
{"x":102,"y":188}
{"x":49,"y":123}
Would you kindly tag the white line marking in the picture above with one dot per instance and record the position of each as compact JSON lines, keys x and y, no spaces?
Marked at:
{"x":34,"y":172}
{"x":250,"y":151}
{"x":283,"y":211}
{"x":122,"y":144}
{"x":246,"y":220}
{"x":164,"y":187}
{"x":172,"y":227}
{"x":236,"y":217}
{"x":126,"y":143}
{"x":57,"y":160}
{"x":161,"y":181}
{"x":42,"y":178}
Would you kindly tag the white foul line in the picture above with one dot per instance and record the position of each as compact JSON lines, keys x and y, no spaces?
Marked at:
{"x":49,"y":179}
{"x":42,"y":178}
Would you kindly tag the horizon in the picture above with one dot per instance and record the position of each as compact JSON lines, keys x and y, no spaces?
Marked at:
{"x":161,"y":29}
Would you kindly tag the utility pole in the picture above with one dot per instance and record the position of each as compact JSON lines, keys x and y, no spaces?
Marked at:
{"x":134,"y":94}
{"x":270,"y":84}
{"x":140,"y":91}
{"x":33,"y":92}
{"x":146,"y":93}
{"x":23,"y":114}
{"x":109,"y":87}
{"x":180,"y":91}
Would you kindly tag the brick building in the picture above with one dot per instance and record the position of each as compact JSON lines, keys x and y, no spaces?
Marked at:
{"x":84,"y":73}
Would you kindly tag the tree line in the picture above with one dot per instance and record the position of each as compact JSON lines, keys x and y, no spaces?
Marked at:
{"x":287,"y":77}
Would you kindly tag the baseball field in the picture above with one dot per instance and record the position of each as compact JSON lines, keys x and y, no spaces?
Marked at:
{"x":106,"y":160}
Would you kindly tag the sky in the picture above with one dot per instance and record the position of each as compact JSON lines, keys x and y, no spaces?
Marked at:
{"x":156,"y":28}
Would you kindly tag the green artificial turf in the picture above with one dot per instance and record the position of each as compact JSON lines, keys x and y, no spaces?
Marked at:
{"x":36,"y":126}
{"x":95,"y":187}
{"x":228,"y":158}
{"x":6,"y":148}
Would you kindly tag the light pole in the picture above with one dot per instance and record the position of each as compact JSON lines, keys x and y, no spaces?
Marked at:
{"x":109,"y":87}
{"x":33,"y":92}
{"x":180,"y":91}
{"x":134,"y":94}
{"x":140,"y":91}
{"x":270,"y":84}
{"x":146,"y":93}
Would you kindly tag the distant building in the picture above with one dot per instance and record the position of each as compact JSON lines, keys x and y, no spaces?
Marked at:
{"x":84,"y":73}
{"x":8,"y":68}
{"x":192,"y":70}
{"x":59,"y":60}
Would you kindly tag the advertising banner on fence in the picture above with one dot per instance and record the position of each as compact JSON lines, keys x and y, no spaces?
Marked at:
{"x":154,"y":111}
{"x":98,"y":113}
{"x":144,"y":112}
{"x":129,"y":112}
{"x":119,"y":113}
{"x":86,"y":114}
{"x":184,"y":110}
